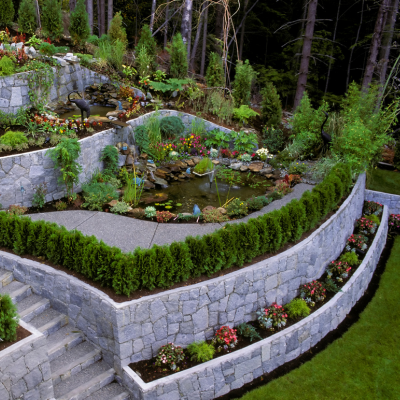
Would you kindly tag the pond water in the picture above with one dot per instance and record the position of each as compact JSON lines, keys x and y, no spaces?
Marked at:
{"x":198,"y":191}
{"x":99,"y":111}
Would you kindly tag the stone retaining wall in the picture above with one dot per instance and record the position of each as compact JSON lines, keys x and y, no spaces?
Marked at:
{"x":390,"y":200}
{"x":14,"y":88}
{"x":29,"y":169}
{"x":25,"y":369}
{"x":219,"y":376}
{"x":135,"y":330}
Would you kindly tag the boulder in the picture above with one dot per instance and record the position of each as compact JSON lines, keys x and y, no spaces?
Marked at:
{"x":208,"y":208}
{"x":112,"y":203}
{"x":161,"y":182}
{"x":196,"y":160}
{"x":221,"y":210}
{"x":244,"y":168}
{"x":129,"y":160}
{"x":190,"y":163}
{"x":149,"y":185}
{"x":215,"y":162}
{"x":266,"y":171}
{"x":236,"y":166}
{"x":256,"y":166}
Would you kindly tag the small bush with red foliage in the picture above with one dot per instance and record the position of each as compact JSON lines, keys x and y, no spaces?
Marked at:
{"x":313,"y":292}
{"x":225,"y":338}
{"x":163,"y":216}
{"x":338,"y":270}
{"x":272,"y":317}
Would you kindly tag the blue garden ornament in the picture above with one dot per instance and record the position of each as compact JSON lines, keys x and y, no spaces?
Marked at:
{"x":196,"y":210}
{"x":188,"y":171}
{"x":119,"y":105}
{"x":150,"y":161}
{"x":138,"y":181}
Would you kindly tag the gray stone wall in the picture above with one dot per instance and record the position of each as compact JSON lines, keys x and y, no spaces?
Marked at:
{"x":219,"y":376}
{"x":135,"y":330}
{"x":30,"y":169}
{"x":25,"y":369}
{"x":390,"y":200}
{"x":14,"y":88}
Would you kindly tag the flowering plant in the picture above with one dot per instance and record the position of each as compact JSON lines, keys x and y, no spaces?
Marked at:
{"x":365,"y":225}
{"x":170,"y":356}
{"x":394,"y":222}
{"x":262,"y":154}
{"x":272,"y":317}
{"x":192,"y":144}
{"x":371,"y":207}
{"x":282,"y":187}
{"x":163,"y":216}
{"x":235,"y":153}
{"x":357,"y":242}
{"x":313,"y":292}
{"x":226,"y":338}
{"x":338,"y":270}
{"x":226,"y":153}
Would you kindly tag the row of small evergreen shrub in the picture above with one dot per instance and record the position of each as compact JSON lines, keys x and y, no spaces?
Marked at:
{"x":162,"y":266}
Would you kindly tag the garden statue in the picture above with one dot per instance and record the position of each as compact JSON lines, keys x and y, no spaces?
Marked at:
{"x":119,"y":105}
{"x":188,"y":171}
{"x":326,"y":138}
{"x":196,"y":210}
{"x":81,"y":104}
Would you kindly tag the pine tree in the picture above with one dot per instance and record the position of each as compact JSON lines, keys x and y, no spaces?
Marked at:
{"x":27,"y":16}
{"x":79,"y":23}
{"x":148,"y":41}
{"x":52,"y":19}
{"x":242,"y":85}
{"x":7,"y":12}
{"x":271,"y":107}
{"x":116,"y":30}
{"x":215,"y":71}
{"x":178,"y":52}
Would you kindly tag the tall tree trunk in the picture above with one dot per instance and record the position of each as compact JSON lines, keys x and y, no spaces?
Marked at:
{"x":186,"y":27}
{"x":197,"y":39}
{"x":387,"y":40}
{"x":203,"y":50}
{"x":153,"y":11}
{"x":246,"y":3}
{"x":333,"y":40}
{"x":306,"y":53}
{"x":355,"y":42}
{"x":166,"y":24}
{"x":72,"y":4}
{"x":89,"y":9}
{"x":219,"y":25}
{"x":101,"y":16}
{"x":375,"y":43}
{"x":110,"y":13}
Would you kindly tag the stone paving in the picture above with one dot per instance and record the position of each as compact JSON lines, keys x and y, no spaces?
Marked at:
{"x":128,"y":233}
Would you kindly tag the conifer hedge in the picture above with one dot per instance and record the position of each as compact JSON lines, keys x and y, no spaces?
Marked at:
{"x":162,"y":266}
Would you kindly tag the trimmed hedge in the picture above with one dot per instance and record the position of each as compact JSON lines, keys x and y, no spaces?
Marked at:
{"x":162,"y":266}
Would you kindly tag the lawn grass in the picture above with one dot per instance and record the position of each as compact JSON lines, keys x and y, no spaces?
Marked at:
{"x":363,"y":364}
{"x":384,"y":181}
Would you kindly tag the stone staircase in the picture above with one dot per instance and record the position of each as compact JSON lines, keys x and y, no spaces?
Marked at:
{"x":77,"y":369}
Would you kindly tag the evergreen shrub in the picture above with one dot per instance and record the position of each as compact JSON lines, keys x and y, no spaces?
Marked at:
{"x":215,"y":71}
{"x":8,"y":319}
{"x":242,"y":84}
{"x":148,"y":41}
{"x":161,"y":266}
{"x":271,"y":107}
{"x":116,"y":30}
{"x":171,"y":127}
{"x":79,"y":23}
{"x":27,"y":22}
{"x":6,"y":12}
{"x":178,"y":52}
{"x":52,"y":19}
{"x":7,"y":66}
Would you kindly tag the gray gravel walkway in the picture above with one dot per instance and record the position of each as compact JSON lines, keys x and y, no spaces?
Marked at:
{"x":129,"y":233}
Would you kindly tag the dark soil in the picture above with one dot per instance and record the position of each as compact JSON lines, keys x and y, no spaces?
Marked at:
{"x":22,"y":333}
{"x":147,"y":370}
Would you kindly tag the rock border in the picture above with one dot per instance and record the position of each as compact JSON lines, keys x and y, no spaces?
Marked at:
{"x":388,"y":199}
{"x":219,"y":376}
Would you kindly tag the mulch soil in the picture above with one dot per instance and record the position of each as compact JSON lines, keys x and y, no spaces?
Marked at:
{"x":147,"y":370}
{"x":22,"y":333}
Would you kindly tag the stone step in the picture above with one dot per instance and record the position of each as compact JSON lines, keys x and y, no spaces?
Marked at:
{"x":17,"y":291}
{"x":113,"y":391}
{"x":6,"y":277}
{"x":63,"y":340}
{"x":73,"y":361}
{"x":49,"y":321}
{"x":87,"y":382}
{"x":32,"y":306}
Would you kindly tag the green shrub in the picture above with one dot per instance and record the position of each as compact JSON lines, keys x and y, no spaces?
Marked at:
{"x":171,"y":127}
{"x":244,"y":113}
{"x":116,"y":30}
{"x":178,"y":59}
{"x":248,"y":331}
{"x":93,"y":39}
{"x":297,"y":308}
{"x":14,"y":139}
{"x":120,"y":208}
{"x":39,"y":196}
{"x":143,"y":61}
{"x":8,"y":319}
{"x":112,"y":53}
{"x":245,"y":142}
{"x":79,"y":23}
{"x":297,"y":215}
{"x":273,"y":139}
{"x":181,"y":260}
{"x":205,"y":165}
{"x":373,"y":218}
{"x":271,"y":107}
{"x":255,"y":203}
{"x":27,"y":16}
{"x":85,"y":59}
{"x":149,"y":43}
{"x":51,"y":19}
{"x":97,"y":194}
{"x":6,"y":13}
{"x":7,"y":66}
{"x":215,"y":71}
{"x":242,"y":84}
{"x":237,"y":208}
{"x":201,"y":351}
{"x":351,"y":258}
{"x":47,"y":49}
{"x":109,"y":155}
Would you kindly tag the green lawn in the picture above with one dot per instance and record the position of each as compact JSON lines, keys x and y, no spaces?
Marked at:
{"x":363,"y":364}
{"x":384,"y":181}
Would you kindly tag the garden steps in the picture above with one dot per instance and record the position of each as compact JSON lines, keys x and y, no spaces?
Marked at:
{"x":87,"y":382}
{"x":49,"y":321}
{"x":113,"y":391}
{"x":73,"y":361}
{"x":6,"y":277}
{"x":32,"y":306}
{"x":17,"y":291}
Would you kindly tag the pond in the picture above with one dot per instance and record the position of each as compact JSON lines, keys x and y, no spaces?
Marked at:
{"x":180,"y":197}
{"x":99,"y":111}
